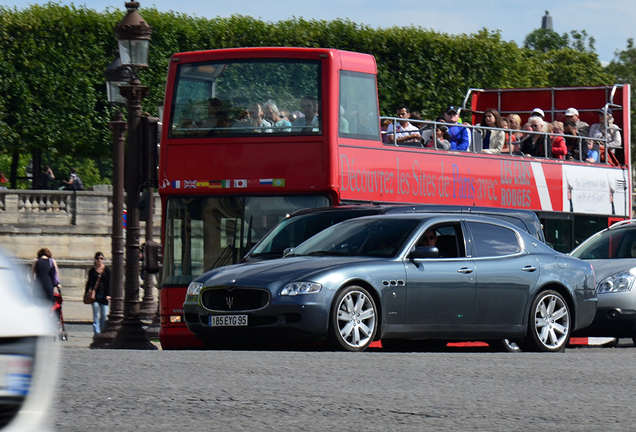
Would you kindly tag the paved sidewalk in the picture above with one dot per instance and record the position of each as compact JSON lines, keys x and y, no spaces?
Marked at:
{"x":76,"y":312}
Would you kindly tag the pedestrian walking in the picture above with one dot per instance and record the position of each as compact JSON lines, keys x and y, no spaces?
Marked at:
{"x":45,"y":273}
{"x":99,"y":280}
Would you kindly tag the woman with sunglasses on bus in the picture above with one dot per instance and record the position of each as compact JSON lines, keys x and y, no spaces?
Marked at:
{"x":535,"y":144}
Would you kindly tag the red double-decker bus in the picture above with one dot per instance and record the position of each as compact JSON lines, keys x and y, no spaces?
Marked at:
{"x":252,"y":134}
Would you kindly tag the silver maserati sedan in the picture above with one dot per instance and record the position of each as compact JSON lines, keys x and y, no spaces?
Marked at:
{"x":402,"y":278}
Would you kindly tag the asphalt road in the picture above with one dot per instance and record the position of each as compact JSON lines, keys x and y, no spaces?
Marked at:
{"x":583,"y":389}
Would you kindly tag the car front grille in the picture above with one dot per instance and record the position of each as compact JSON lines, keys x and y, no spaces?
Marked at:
{"x":234,"y":299}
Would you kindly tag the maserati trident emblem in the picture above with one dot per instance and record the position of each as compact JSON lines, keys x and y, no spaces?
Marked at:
{"x":229,"y":301}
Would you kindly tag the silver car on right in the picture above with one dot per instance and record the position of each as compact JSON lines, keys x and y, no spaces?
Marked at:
{"x":612,"y":254}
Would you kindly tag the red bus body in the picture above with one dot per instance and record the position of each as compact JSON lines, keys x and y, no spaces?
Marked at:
{"x":222,"y":189}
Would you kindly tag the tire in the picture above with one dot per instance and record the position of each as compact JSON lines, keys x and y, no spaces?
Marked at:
{"x":549,"y":325}
{"x":353,"y":319}
{"x":503,"y":345}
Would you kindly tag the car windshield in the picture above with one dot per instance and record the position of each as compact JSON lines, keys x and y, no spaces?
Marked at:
{"x":620,"y":243}
{"x":294,"y":230}
{"x":381,"y":238}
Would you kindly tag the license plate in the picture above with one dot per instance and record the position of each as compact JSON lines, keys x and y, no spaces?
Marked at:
{"x":15,"y":375}
{"x":228,"y":320}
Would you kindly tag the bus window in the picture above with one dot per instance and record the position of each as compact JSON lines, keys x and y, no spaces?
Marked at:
{"x":202,"y":234}
{"x":585,"y":226}
{"x":558,"y":234}
{"x":244,"y":97}
{"x":358,"y":106}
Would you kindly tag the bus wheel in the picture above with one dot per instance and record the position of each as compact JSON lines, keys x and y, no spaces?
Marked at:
{"x":549,"y":323}
{"x":353,"y":319}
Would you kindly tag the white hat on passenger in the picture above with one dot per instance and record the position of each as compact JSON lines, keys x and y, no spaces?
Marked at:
{"x":537,"y":112}
{"x":571,"y":112}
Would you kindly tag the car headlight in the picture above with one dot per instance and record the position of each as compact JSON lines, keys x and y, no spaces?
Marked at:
{"x":194,"y":288}
{"x":619,"y":282}
{"x":296,"y":288}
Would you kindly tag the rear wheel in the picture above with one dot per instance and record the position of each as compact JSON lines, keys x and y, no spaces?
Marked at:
{"x":549,"y":323}
{"x":353,"y":319}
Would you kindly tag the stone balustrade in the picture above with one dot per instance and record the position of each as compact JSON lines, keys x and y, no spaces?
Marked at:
{"x":72,"y":224}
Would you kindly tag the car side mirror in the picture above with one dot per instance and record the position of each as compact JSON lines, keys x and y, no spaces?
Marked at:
{"x":424,"y":252}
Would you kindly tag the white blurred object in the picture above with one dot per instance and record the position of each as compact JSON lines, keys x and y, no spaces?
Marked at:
{"x":29,"y":355}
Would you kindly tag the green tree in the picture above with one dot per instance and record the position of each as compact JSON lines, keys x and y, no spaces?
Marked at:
{"x":623,"y":68}
{"x":544,"y":40}
{"x":52,"y":58}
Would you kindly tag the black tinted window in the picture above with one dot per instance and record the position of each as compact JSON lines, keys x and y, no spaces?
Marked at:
{"x":492,"y":240}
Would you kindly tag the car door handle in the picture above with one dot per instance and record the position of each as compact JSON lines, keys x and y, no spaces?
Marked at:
{"x":529,"y":268}
{"x":465,"y":270}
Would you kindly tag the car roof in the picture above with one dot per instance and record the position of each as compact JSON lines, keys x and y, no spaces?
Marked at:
{"x":525,"y":219}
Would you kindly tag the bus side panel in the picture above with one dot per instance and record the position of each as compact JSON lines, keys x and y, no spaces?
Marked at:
{"x":174,"y":335}
{"x":399,"y":175}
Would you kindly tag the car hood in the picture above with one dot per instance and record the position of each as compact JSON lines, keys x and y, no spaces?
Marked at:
{"x":264,"y":272}
{"x":607,"y":267}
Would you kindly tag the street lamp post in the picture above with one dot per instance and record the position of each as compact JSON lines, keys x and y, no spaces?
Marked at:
{"x":133,"y":37}
{"x":116,"y":76}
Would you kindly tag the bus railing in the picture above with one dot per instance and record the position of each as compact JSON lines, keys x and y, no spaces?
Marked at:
{"x":428,"y":130}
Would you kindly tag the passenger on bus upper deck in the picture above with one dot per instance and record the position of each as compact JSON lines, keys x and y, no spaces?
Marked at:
{"x":572,"y":114}
{"x":309,"y":123}
{"x":613,"y":132}
{"x":592,"y":152}
{"x":405,"y":132}
{"x":493,"y":139}
{"x":440,"y":141}
{"x":573,"y":144}
{"x":270,"y":111}
{"x":559,"y":149}
{"x":534,"y":144}
{"x":514,"y":123}
{"x":458,"y":135}
{"x":538,"y":112}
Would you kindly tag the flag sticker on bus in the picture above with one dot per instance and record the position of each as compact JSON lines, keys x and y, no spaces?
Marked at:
{"x":176,"y":184}
{"x":272,"y":182}
{"x":189,"y":184}
{"x":240,"y":183}
{"x":219,"y":183}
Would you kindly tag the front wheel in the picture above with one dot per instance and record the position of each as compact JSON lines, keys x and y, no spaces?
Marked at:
{"x":549,"y":323}
{"x":353,"y":319}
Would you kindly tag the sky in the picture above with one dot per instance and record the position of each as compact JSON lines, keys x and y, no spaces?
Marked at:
{"x":610,"y":22}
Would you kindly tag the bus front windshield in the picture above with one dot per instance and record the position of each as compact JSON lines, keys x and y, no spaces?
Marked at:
{"x":205,"y":233}
{"x":245,"y":97}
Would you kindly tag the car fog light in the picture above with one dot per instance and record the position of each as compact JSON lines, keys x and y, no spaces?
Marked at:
{"x":296,"y":288}
{"x":175,"y":318}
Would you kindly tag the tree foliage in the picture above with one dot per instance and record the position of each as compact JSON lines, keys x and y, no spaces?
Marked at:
{"x":623,"y":67}
{"x":52,"y":58}
{"x":544,"y":40}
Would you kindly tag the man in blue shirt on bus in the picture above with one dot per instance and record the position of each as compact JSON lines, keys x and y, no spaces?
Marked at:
{"x":459,"y":139}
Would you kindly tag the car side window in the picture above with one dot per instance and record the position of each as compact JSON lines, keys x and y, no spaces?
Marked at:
{"x":447,"y":238}
{"x":492,"y":240}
